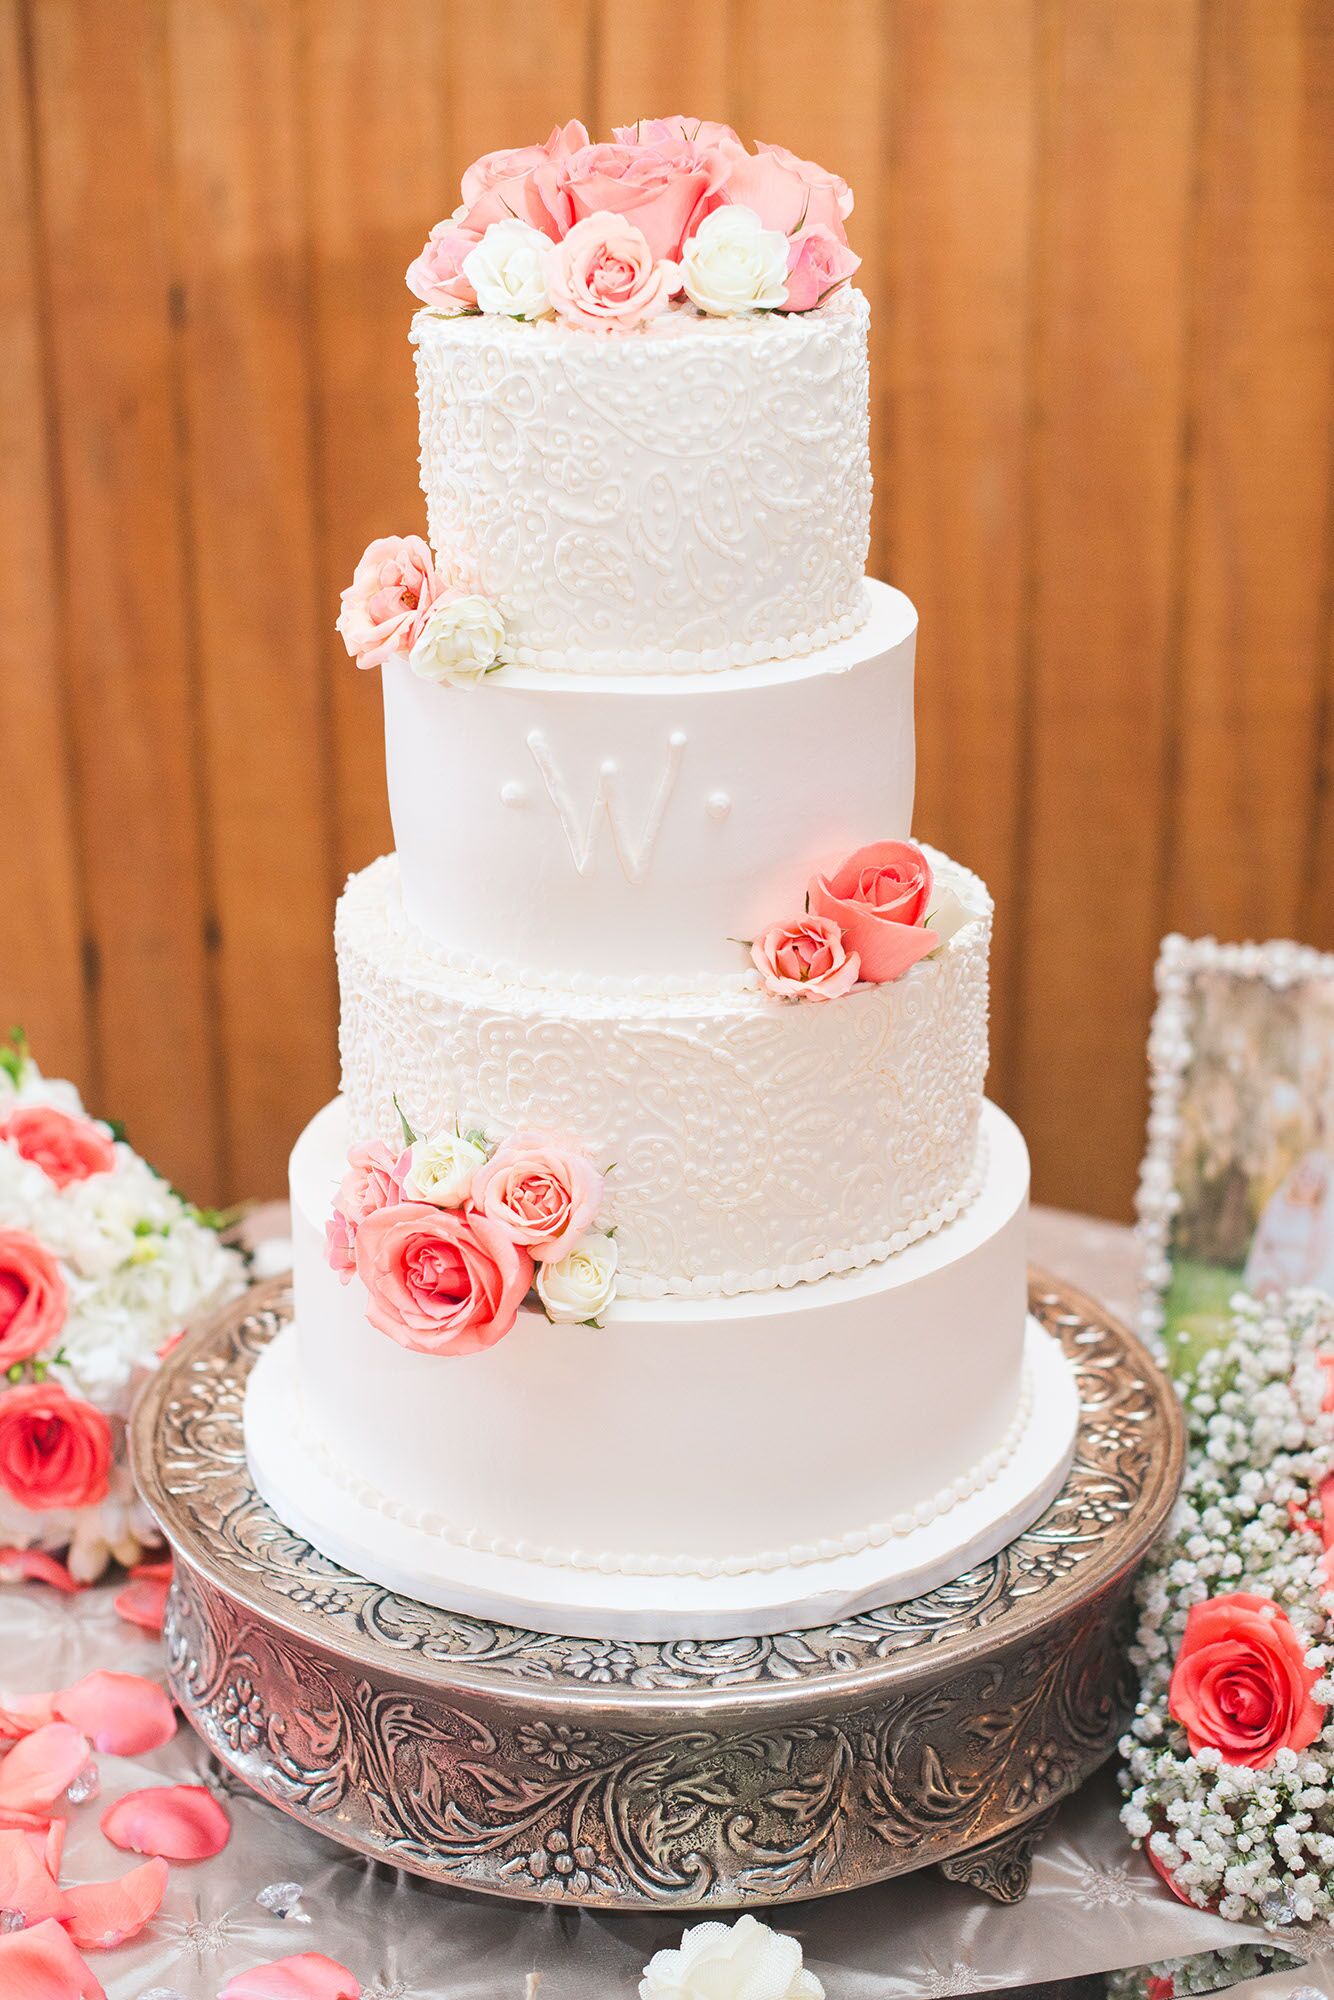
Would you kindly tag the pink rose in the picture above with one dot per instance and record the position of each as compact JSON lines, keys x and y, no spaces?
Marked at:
{"x":54,"y":1451}
{"x":879,"y":899}
{"x":543,"y":1194}
{"x":340,"y":1246}
{"x":66,"y":1148}
{"x":603,"y":276}
{"x":374,"y":1180}
{"x":663,"y":188}
{"x":789,"y":193}
{"x":708,"y":133}
{"x":388,"y":600}
{"x":436,"y":274}
{"x":817,"y":264}
{"x":1241,"y":1684}
{"x":501,"y":183}
{"x":806,"y":960}
{"x":33,"y":1297}
{"x":440,"y":1280}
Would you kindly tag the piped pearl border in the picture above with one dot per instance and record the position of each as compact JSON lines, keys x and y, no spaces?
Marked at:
{"x":610,"y":1563}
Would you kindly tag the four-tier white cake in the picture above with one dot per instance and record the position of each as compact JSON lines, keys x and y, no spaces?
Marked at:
{"x":660,"y":1271}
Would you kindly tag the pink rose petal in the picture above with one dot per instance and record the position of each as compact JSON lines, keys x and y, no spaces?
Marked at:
{"x":143,"y":1602}
{"x":12,"y":1820}
{"x":41,"y":1768}
{"x":27,"y":1885}
{"x":122,"y":1714}
{"x":51,"y":1846}
{"x":20,"y":1714}
{"x":183,"y":1822}
{"x":308,"y":1976}
{"x":35,"y":1566}
{"x":42,"y":1964}
{"x":101,"y":1915}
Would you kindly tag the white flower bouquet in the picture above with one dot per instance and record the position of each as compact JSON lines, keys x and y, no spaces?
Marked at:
{"x":102,"y":1267}
{"x":1229,"y":1763}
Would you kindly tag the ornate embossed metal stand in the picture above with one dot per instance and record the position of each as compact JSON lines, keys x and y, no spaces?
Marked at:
{"x":630,"y":1775}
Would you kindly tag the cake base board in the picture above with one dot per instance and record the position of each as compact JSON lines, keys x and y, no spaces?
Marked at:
{"x":591,"y":1604}
{"x":689,"y":1776}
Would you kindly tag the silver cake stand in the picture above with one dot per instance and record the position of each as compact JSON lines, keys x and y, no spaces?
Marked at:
{"x":628,"y":1775}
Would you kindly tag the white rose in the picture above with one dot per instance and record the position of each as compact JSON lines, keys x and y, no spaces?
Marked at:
{"x":949,"y":915}
{"x":741,"y":1961}
{"x":442,"y":1169}
{"x":508,"y":270}
{"x":733,"y":264}
{"x":582,"y":1284}
{"x":460,"y":643}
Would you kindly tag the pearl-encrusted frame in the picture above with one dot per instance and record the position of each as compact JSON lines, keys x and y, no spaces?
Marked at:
{"x":1281,"y":964}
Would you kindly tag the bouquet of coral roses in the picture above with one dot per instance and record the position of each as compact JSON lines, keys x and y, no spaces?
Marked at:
{"x":102,"y":1266}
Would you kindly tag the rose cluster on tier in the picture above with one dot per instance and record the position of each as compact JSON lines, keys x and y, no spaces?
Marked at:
{"x":101,"y":1264}
{"x":1229,"y":1764}
{"x":400,"y":602}
{"x":606,"y":237}
{"x":449,"y":1236}
{"x":870,"y":921}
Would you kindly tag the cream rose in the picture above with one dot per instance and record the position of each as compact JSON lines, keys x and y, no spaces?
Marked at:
{"x":949,"y":914}
{"x":733,"y":264}
{"x":741,"y":1961}
{"x":582,"y":1285}
{"x":441,"y":1170}
{"x":460,"y":642}
{"x":507,"y":270}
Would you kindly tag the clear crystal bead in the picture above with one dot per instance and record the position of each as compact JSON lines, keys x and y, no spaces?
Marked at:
{"x":1279,"y":1908}
{"x":86,"y":1786}
{"x":12,"y":1920}
{"x":283,"y":1899}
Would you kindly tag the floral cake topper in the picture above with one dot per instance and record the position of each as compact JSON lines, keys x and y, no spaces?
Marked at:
{"x":673,"y":213}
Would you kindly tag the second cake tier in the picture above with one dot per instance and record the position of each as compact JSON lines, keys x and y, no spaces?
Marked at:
{"x":753,"y":1143}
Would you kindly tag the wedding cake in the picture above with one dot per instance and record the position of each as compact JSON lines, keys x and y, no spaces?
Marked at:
{"x":660,"y":1270}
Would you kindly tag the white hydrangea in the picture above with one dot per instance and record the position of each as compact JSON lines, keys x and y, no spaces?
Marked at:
{"x":1255,"y":1844}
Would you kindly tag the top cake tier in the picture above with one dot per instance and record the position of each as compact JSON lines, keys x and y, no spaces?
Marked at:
{"x":695,"y":497}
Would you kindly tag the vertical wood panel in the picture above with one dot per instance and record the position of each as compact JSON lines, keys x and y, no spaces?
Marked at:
{"x":1119,"y":92}
{"x":954,"y":358}
{"x":41,"y":977}
{"x":657,"y":58}
{"x":376,"y":146}
{"x":513,"y":71}
{"x":261,"y":682}
{"x":104,"y":173}
{"x":1259,"y":494}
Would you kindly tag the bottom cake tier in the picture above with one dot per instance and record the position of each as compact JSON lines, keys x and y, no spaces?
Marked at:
{"x":692,"y":1469}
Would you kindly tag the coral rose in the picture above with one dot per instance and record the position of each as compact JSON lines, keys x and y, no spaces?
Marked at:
{"x":817,"y":264}
{"x":603,"y":276}
{"x":1240,"y":1684}
{"x":436,"y":274}
{"x":440,"y":1280}
{"x":879,"y":898}
{"x":664,"y":188}
{"x":388,"y":600}
{"x":789,"y":193}
{"x":709,"y":133}
{"x":33,"y":1297}
{"x":54,"y":1450}
{"x":374,"y":1180}
{"x":806,"y":960}
{"x":544,"y":1195}
{"x":340,"y":1247}
{"x":66,"y":1148}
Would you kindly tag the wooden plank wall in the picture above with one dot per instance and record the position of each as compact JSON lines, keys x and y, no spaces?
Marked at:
{"x":1097,"y":240}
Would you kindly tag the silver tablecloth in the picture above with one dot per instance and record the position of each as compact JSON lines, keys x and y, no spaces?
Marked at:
{"x":1094,"y":1904}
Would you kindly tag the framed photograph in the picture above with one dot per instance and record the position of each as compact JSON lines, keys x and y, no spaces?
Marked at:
{"x":1237,"y":1188}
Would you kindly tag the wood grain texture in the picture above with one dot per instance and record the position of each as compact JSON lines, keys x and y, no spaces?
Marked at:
{"x":262,"y":683}
{"x":43,"y":972}
{"x":1095,"y":235}
{"x":103,"y":161}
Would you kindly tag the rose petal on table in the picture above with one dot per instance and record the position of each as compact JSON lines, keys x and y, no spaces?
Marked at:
{"x":159,"y":1570}
{"x":1165,"y":1875}
{"x":36,"y":1566}
{"x":42,"y":1964}
{"x":42,"y":1767}
{"x":182,"y":1822}
{"x":308,"y":1976}
{"x":122,"y":1714}
{"x":50,"y":1846}
{"x":27,"y":1885}
{"x":20,"y":1714}
{"x":143,"y":1602}
{"x":101,"y":1915}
